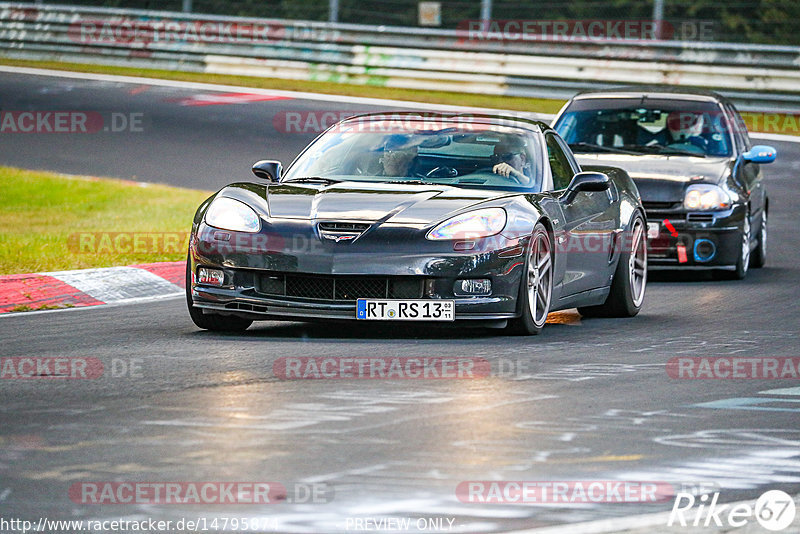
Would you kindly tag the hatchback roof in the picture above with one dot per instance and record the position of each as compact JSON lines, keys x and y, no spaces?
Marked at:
{"x":653,"y":91}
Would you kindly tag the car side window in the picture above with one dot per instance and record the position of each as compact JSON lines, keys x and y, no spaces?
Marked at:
{"x":742,"y":128}
{"x":736,"y":125}
{"x":560,"y":165}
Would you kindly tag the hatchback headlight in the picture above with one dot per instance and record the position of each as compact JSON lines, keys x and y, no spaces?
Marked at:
{"x":706,"y":197}
{"x":229,"y":214}
{"x":471,"y":225}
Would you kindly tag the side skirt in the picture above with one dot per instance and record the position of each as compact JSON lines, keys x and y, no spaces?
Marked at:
{"x":590,"y":297}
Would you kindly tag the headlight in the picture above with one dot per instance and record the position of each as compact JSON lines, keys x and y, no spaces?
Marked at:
{"x":706,"y":197}
{"x":473,"y":224}
{"x":230,"y":214}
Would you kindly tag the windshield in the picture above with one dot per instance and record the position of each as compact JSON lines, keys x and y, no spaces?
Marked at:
{"x":646,"y":126}
{"x":458,"y":154}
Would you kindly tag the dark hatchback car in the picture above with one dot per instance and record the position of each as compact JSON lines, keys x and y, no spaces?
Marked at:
{"x":697,"y":171}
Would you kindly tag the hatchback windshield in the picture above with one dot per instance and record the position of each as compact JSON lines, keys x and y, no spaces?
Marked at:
{"x":645,"y":126}
{"x":460,"y":154}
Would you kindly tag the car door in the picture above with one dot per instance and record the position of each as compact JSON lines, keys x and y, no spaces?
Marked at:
{"x":748,"y":173}
{"x":588,"y":226}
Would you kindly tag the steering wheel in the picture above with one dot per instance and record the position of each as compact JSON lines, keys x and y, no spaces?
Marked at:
{"x":517,"y":176}
{"x":441,"y":171}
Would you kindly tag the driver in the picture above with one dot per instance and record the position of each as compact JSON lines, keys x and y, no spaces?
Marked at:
{"x":510,"y":158}
{"x":686,"y":128}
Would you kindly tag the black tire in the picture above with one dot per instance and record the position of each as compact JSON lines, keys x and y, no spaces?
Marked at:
{"x":629,"y":284}
{"x":743,"y":262}
{"x":758,"y":258}
{"x":537,"y":277}
{"x":211,"y":321}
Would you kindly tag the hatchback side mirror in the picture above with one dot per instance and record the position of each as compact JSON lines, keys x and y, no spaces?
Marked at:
{"x":268,"y":169}
{"x":586,"y":181}
{"x":760,"y":154}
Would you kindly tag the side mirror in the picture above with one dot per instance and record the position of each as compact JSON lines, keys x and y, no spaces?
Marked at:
{"x":586,"y":181}
{"x":268,"y":169}
{"x":760,"y":154}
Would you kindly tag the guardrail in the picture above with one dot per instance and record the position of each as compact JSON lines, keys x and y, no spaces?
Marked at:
{"x":756,"y":77}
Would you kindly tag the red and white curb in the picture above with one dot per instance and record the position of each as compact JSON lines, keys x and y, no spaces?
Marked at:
{"x":91,"y":287}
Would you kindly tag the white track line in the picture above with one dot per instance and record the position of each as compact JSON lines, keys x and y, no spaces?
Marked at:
{"x":139,"y":300}
{"x":776,"y":137}
{"x":235,"y":88}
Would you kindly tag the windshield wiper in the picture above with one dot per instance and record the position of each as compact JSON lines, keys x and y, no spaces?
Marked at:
{"x":412,"y":182}
{"x":312,"y":179}
{"x":598,"y":148}
{"x":679,"y":152}
{"x":665,"y":150}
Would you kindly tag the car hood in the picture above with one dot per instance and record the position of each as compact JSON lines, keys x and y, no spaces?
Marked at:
{"x":663,"y":178}
{"x":372,"y":202}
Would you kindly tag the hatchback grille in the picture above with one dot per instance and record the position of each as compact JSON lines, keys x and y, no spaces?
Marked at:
{"x":339,"y":288}
{"x":700,"y":217}
{"x":660,"y":206}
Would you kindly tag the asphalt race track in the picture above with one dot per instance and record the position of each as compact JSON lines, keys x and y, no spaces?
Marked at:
{"x":589,"y":400}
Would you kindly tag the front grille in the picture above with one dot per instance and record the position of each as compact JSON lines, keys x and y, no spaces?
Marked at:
{"x":354,"y":288}
{"x":343,"y":227}
{"x":243,"y":306}
{"x":309,"y":287}
{"x":700,"y":217}
{"x":339,"y":288}
{"x":660,"y":206}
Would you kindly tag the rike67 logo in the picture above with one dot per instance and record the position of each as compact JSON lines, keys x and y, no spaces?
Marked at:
{"x":774,"y":510}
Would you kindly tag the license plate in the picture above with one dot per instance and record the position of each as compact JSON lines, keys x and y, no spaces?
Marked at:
{"x":653,"y":229}
{"x":405,"y":310}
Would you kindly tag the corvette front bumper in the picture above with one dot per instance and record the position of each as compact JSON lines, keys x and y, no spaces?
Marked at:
{"x":309,"y":278}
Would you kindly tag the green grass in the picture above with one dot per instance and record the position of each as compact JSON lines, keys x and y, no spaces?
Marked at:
{"x":539,"y":105}
{"x":52,"y":222}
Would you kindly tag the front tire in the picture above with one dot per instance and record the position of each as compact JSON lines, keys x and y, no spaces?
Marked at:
{"x":536,"y":286}
{"x":743,"y":262}
{"x":211,"y":321}
{"x":628,"y":286}
{"x":759,"y":256}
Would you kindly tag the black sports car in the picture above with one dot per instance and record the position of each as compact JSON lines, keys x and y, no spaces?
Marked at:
{"x":691,"y":157}
{"x":406,"y":217}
